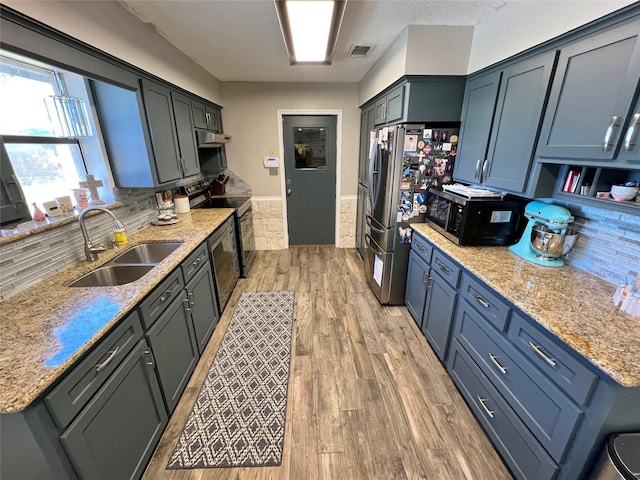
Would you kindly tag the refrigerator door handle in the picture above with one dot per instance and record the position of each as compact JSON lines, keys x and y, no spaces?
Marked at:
{"x":371,"y":244}
{"x":370,"y":225}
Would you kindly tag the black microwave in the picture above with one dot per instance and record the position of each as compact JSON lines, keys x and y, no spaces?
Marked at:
{"x":475,"y":221}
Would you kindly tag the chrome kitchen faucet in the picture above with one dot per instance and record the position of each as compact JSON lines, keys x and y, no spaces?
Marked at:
{"x":90,"y":250}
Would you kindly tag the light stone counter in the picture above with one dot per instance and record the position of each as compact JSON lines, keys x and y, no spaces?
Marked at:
{"x":573,"y":305}
{"x":48,"y":327}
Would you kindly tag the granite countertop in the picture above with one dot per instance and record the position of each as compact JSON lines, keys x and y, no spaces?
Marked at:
{"x":573,"y":305}
{"x":49,"y":326}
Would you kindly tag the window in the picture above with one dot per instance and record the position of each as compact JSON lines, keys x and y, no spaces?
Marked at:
{"x":39,"y":125}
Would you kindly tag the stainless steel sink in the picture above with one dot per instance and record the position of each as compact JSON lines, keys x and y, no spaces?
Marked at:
{"x":147,"y":253}
{"x":111,"y":275}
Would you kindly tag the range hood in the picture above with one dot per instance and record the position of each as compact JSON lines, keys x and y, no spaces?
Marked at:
{"x":209,"y":139}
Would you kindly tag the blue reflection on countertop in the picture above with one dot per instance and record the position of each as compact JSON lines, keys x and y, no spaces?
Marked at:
{"x":80,"y":328}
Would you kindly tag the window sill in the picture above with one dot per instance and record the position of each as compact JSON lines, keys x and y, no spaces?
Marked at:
{"x":27,"y":229}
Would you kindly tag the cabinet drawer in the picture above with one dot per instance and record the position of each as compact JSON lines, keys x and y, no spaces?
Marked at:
{"x":522,"y":453}
{"x":160,"y":298}
{"x":421,"y":247}
{"x":75,"y":390}
{"x":193,"y":262}
{"x":446,"y":268}
{"x":565,"y":370}
{"x":548,"y":413}
{"x":491,"y":306}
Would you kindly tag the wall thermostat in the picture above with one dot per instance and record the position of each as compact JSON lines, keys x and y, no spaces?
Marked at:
{"x":271,"y":162}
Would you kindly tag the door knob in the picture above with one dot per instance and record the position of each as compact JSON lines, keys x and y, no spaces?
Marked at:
{"x":288,"y":192}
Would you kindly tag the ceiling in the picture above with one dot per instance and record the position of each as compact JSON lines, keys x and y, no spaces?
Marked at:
{"x":240,"y":40}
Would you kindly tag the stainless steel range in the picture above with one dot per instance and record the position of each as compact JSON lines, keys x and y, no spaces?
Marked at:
{"x":199,"y":197}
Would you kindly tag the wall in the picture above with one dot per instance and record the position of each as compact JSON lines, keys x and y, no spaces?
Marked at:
{"x":250,"y":117}
{"x":419,"y":50}
{"x":504,"y":34}
{"x":111,"y":28}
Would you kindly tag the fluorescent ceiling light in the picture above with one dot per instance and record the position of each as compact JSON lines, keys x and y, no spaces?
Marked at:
{"x":310,"y":28}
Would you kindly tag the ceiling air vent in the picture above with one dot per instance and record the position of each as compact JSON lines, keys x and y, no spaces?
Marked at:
{"x":360,"y":51}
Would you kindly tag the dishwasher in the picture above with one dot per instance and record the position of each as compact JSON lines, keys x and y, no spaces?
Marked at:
{"x":224,"y":257}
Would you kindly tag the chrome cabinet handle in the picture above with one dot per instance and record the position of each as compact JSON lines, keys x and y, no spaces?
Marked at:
{"x":109,"y":359}
{"x":542,"y":355}
{"x":485,"y":167}
{"x":152,"y":360}
{"x":192,"y":298}
{"x":186,"y":304}
{"x":429,"y":281}
{"x":629,"y":138}
{"x":166,"y":295}
{"x":420,"y":247}
{"x":476,"y":174}
{"x":497,"y":363}
{"x":615,"y":121}
{"x":443,"y":268}
{"x":424,"y":278}
{"x":481,"y":301}
{"x":484,"y":406}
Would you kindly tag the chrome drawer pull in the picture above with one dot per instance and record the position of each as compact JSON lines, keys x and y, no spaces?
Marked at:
{"x":151,"y":361}
{"x":420,"y":247}
{"x":484,"y":406}
{"x":111,"y":356}
{"x":497,"y":363}
{"x":542,"y":355}
{"x":609,"y":134}
{"x":443,"y":268}
{"x":481,"y":301}
{"x":166,"y":295}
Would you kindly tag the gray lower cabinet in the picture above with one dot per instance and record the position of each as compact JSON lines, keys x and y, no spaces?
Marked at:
{"x":431,"y":293}
{"x":115,"y":435}
{"x":501,"y":118}
{"x":203,"y":305}
{"x":545,"y":408}
{"x":174,"y":348}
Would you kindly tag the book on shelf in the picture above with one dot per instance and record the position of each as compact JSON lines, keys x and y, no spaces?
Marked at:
{"x":571,"y":182}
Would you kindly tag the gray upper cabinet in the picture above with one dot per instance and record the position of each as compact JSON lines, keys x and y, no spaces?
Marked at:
{"x":477,"y":114}
{"x":161,"y":123}
{"x":186,"y":134}
{"x":591,"y":105}
{"x":206,"y":116}
{"x":501,"y":120}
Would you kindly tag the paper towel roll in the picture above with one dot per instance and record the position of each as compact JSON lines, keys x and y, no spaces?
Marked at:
{"x":181,"y":203}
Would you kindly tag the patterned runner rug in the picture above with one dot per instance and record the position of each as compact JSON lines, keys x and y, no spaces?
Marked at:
{"x":239,"y":416}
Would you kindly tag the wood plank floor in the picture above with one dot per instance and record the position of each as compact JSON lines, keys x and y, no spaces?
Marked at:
{"x":368,"y":398}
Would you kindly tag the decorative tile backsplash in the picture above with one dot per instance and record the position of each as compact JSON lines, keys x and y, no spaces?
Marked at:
{"x":608,"y":245}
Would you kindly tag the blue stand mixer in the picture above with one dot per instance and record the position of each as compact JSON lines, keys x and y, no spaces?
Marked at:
{"x":546,"y":237}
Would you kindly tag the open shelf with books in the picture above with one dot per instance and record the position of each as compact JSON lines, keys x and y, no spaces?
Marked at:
{"x":592,"y":185}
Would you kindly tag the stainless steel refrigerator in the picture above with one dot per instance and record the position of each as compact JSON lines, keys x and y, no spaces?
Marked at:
{"x":405,"y":161}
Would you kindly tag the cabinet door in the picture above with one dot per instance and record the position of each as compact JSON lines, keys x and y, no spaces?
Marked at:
{"x":395,"y":105}
{"x":160,"y":120}
{"x":174,"y":349}
{"x":438,"y":315}
{"x":477,"y":113}
{"x":591,"y":95}
{"x":203,"y":305}
{"x":380,"y":111}
{"x":115,"y":435}
{"x":630,"y":150}
{"x":199,"y":114}
{"x":416,"y":292}
{"x":186,"y":135}
{"x":517,"y":122}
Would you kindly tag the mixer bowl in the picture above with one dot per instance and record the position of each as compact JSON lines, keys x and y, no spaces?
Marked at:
{"x":551,"y":244}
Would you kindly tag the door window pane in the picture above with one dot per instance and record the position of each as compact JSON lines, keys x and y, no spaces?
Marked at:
{"x":310,"y":147}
